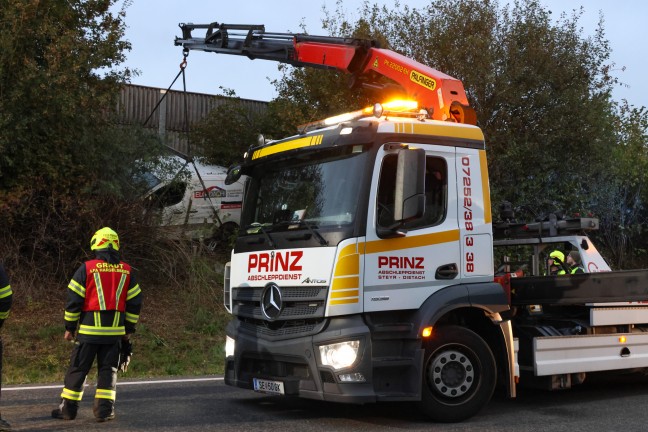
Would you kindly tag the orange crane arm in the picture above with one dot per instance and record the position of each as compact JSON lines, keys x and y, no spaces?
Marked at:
{"x":442,"y":95}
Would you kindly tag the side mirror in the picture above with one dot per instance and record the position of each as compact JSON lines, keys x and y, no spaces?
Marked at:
{"x":410,"y":185}
{"x":233,"y":174}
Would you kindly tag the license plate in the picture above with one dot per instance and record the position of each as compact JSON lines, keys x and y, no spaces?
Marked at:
{"x":267,"y":386}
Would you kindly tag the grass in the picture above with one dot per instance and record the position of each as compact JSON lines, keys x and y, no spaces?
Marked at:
{"x":181,"y":331}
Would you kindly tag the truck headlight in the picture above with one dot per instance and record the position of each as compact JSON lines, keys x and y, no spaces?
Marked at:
{"x":339,"y":355}
{"x":229,"y":346}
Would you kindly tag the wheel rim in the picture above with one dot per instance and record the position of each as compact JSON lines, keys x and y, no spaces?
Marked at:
{"x":451,"y":373}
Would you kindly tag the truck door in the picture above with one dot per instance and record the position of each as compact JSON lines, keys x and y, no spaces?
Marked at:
{"x":474,"y":214}
{"x":401,"y":272}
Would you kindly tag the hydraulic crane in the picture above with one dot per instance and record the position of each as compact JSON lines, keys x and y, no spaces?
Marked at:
{"x":441,"y":95}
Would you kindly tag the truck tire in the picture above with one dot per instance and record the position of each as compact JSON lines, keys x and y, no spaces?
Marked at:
{"x":459,"y":375}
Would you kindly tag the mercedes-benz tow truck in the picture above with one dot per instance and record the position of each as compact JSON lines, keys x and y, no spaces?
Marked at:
{"x":364,"y":268}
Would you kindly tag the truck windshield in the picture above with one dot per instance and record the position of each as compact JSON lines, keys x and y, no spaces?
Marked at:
{"x":318,"y":190}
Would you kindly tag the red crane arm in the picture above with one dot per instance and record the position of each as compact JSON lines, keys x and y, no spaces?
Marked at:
{"x":442,"y":95}
{"x":431,"y":88}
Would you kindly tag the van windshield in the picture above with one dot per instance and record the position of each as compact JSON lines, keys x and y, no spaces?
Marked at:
{"x":319,"y":190}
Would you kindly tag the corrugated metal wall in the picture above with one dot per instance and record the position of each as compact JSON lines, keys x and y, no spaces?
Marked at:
{"x":137,"y":102}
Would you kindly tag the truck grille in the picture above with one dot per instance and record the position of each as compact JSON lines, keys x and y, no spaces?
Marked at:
{"x":302,"y":311}
{"x":283,"y":330}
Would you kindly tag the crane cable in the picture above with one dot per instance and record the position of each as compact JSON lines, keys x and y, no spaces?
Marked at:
{"x":187,"y":157}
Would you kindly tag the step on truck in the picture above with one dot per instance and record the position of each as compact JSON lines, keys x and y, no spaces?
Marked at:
{"x":364,"y":267}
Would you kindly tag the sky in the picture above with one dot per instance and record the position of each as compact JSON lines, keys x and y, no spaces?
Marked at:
{"x":153,"y":26}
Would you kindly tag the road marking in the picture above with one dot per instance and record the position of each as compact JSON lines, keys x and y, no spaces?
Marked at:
{"x":122,"y":383}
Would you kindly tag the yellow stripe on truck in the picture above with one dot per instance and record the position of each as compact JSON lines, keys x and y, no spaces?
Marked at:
{"x":483,"y":166}
{"x":348,"y":265}
{"x":344,"y":301}
{"x":341,"y":283}
{"x":470,"y":133}
{"x":411,"y":242}
{"x":288,"y":145}
{"x":344,"y":294}
{"x":346,"y":277}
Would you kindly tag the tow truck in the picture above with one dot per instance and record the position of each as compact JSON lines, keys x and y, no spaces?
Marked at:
{"x":364,"y":268}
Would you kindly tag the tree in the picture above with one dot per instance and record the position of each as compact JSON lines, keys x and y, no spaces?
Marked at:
{"x":65,"y":165}
{"x":622,"y":202}
{"x":227,"y":132}
{"x":59,"y":79}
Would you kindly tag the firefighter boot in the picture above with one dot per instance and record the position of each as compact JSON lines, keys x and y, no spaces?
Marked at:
{"x":67,"y":410}
{"x":103,"y":409}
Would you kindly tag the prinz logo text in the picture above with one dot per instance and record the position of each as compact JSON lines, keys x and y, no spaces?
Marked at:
{"x":275,"y":261}
{"x":401,"y":262}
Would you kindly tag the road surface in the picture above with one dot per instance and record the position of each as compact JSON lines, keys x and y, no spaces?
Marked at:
{"x":207,"y":404}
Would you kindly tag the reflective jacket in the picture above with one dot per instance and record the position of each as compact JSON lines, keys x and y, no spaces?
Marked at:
{"x":576,"y":269}
{"x":104,"y":300}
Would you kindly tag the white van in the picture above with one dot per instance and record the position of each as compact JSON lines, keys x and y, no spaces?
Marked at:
{"x":204,"y":210}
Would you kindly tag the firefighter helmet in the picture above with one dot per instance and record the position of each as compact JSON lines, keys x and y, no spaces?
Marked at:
{"x":104,"y":239}
{"x":557,"y":256}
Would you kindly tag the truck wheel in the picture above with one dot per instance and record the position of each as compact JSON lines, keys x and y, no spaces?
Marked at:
{"x":459,"y":375}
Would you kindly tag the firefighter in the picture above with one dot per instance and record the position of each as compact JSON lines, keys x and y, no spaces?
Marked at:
{"x":6,"y":298}
{"x":102,"y":309}
{"x":556,"y":263}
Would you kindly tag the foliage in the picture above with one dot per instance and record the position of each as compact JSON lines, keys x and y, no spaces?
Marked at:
{"x":66,"y":166}
{"x":622,"y":204}
{"x":58,"y":79}
{"x":227,"y":132}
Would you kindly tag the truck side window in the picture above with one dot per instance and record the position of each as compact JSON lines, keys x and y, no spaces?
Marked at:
{"x":436,"y":193}
{"x":386,"y":186}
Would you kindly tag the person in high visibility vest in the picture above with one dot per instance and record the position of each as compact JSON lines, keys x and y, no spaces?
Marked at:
{"x":556,"y":263}
{"x":574,"y":263}
{"x":103,"y":306}
{"x":6,"y":299}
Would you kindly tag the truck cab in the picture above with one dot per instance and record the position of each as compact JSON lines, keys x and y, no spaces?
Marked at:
{"x":361,"y":268}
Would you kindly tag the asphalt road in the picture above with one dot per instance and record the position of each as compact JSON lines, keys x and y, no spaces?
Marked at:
{"x":206,"y":404}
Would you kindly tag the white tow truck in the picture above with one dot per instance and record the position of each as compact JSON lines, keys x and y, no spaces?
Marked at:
{"x":364,"y":268}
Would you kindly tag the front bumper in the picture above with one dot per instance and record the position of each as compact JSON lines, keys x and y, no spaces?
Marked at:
{"x":296,"y":362}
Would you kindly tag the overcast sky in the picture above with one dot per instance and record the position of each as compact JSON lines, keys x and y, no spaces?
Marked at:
{"x":153,"y":26}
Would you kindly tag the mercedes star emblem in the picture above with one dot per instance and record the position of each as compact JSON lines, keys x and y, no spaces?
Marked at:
{"x":271,"y":303}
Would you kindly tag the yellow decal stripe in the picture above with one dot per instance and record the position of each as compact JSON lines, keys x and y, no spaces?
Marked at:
{"x":348,"y":265}
{"x":483,"y":166}
{"x":343,"y":294}
{"x":449,"y":131}
{"x":470,"y":133}
{"x":348,"y":250}
{"x":411,"y":242}
{"x":344,"y":301}
{"x":288,"y":145}
{"x":341,"y":283}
